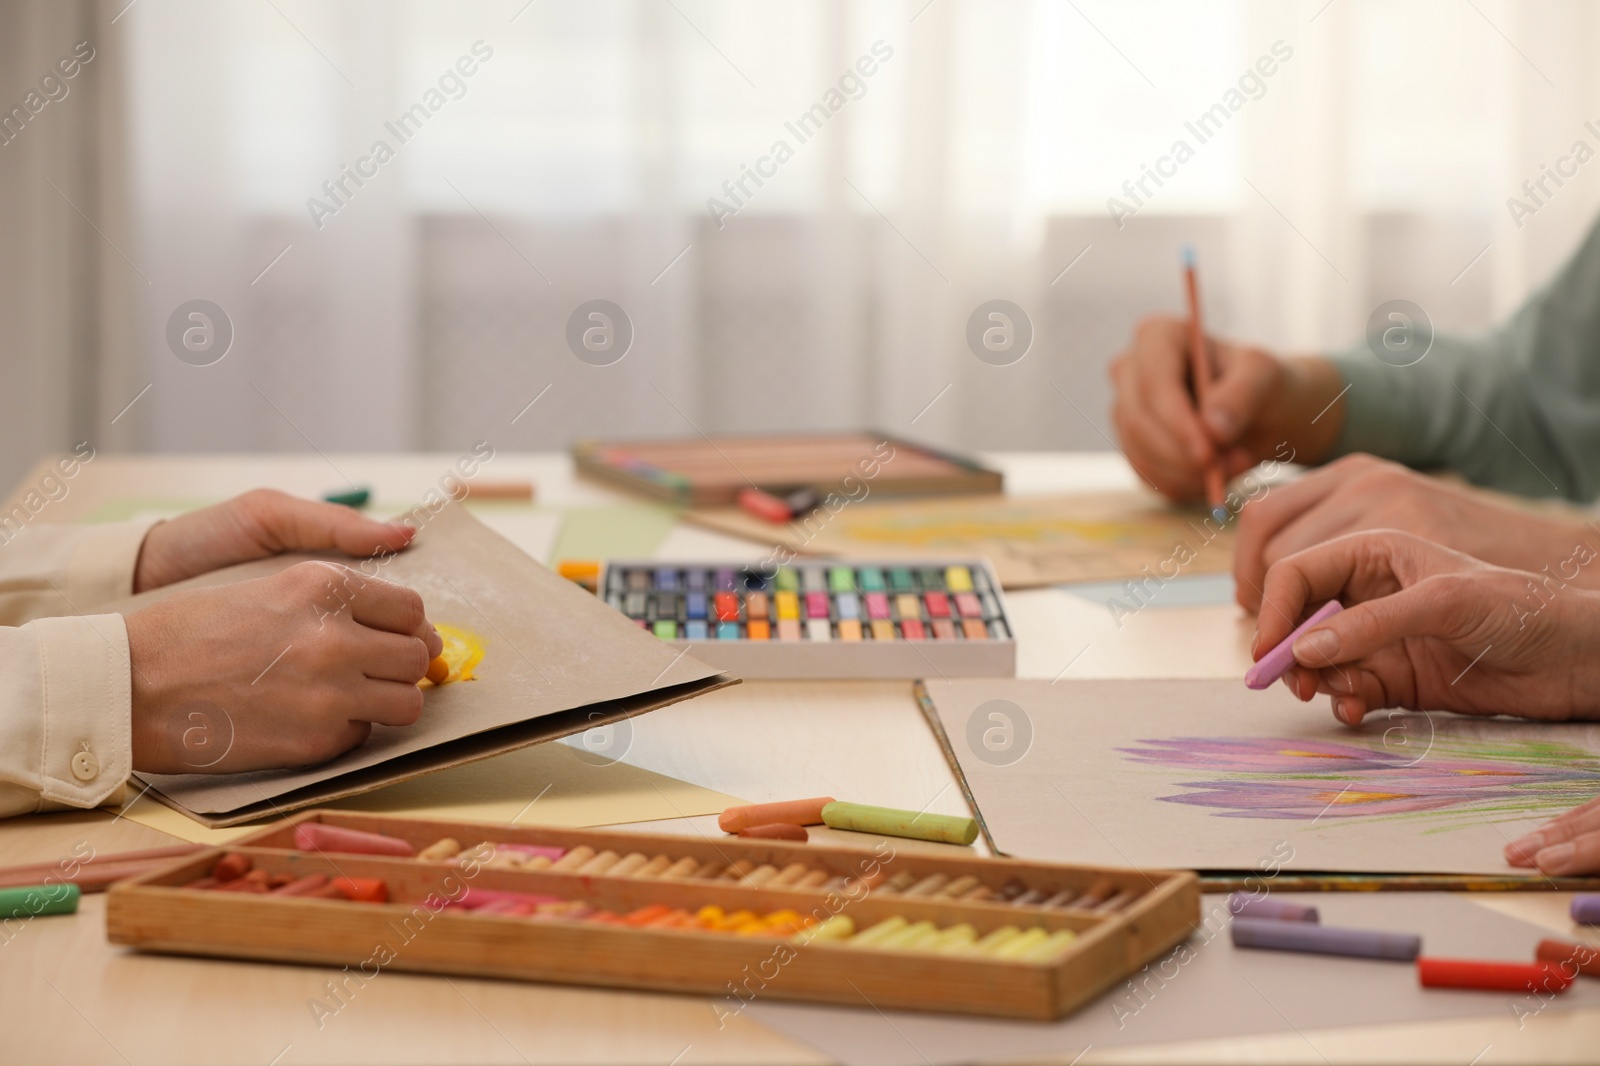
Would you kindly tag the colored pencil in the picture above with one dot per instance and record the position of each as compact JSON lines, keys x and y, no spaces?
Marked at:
{"x":1200,"y":371}
{"x":97,"y":873}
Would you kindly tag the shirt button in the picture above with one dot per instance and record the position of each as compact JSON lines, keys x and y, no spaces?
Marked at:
{"x":85,"y":766}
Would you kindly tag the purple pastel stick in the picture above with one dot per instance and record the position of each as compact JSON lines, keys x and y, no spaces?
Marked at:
{"x":1586,"y":908}
{"x":1276,"y":662}
{"x":1273,"y":909}
{"x":1324,"y":939}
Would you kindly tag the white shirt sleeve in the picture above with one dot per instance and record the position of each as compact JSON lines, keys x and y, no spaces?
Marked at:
{"x":65,"y":690}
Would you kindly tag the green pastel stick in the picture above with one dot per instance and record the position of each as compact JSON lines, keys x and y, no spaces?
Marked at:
{"x":30,"y":900}
{"x":886,"y":821}
{"x":353,"y":498}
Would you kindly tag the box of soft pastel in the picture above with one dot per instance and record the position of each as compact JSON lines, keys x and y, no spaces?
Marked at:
{"x":911,"y":925}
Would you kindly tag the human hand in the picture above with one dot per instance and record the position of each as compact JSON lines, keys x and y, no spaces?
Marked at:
{"x":1425,"y":627}
{"x":287,"y":670}
{"x":1565,"y":845}
{"x":1361,"y":492}
{"x":1256,"y":404}
{"x":253,"y":526}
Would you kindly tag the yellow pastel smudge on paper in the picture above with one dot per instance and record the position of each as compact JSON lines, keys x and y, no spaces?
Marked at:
{"x":1348,"y":796}
{"x":463,"y":651}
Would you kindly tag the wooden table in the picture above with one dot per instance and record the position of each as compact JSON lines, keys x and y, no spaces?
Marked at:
{"x":67,"y":996}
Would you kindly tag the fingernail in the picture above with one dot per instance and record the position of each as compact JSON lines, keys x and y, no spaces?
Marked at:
{"x":1317,"y":648}
{"x":1221,"y":422}
{"x":1528,"y":845}
{"x":1555,"y":856}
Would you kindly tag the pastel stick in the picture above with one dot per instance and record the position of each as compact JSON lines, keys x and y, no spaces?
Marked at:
{"x":1324,"y":939}
{"x":1586,"y":908}
{"x":1276,"y":662}
{"x":1246,"y":906}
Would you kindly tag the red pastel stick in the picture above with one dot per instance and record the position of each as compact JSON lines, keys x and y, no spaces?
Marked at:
{"x":764,"y":505}
{"x":1493,"y":976}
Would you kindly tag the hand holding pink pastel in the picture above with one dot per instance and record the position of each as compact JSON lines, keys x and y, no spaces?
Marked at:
{"x":1277,"y":662}
{"x":1427,"y":628}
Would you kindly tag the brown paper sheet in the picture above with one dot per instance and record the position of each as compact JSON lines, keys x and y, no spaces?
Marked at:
{"x":557,"y":661}
{"x":1031,"y":540}
{"x":1209,"y":775}
{"x":554,"y":784}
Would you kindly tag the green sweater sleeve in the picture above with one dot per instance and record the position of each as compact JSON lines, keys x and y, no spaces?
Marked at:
{"x":1516,"y":408}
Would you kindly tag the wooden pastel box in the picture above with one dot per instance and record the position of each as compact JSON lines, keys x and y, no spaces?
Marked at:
{"x":419,"y":928}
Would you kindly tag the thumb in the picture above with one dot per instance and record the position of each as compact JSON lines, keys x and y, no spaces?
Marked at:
{"x":1423,"y":610}
{"x":1240,"y":390}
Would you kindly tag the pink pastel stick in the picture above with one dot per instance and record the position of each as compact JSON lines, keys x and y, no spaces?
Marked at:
{"x":551,"y":853}
{"x":480,"y":897}
{"x":1276,"y":662}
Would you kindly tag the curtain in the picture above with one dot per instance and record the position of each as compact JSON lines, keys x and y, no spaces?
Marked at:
{"x":58,"y":180}
{"x":1339,"y":155}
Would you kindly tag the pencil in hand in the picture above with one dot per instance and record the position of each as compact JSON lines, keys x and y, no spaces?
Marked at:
{"x":1200,"y":373}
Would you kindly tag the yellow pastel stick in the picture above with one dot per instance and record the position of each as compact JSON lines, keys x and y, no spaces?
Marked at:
{"x":1016,"y":946}
{"x":869,"y":937}
{"x":1053,"y":946}
{"x":907,"y":937}
{"x":963,"y":933}
{"x":839,"y":927}
{"x":999,"y":936}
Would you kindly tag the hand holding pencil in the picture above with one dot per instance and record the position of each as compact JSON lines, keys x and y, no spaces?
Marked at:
{"x":1252,"y":406}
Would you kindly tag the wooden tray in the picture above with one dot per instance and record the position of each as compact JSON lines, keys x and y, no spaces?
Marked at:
{"x":155,"y":913}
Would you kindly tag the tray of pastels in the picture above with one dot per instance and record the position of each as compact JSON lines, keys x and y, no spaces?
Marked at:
{"x":736,"y":918}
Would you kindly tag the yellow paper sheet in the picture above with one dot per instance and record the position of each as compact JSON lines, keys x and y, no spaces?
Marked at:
{"x":548,"y":784}
{"x":1030,"y":540}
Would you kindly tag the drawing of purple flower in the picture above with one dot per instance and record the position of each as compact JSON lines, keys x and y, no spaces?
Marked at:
{"x":1295,"y":778}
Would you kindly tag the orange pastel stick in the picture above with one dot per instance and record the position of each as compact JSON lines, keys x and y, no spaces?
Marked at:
{"x":1584,"y":958}
{"x":792,"y":812}
{"x":362,"y":889}
{"x":776,"y":831}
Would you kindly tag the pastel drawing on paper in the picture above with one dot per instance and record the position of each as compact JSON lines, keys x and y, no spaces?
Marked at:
{"x":1453,"y":782}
